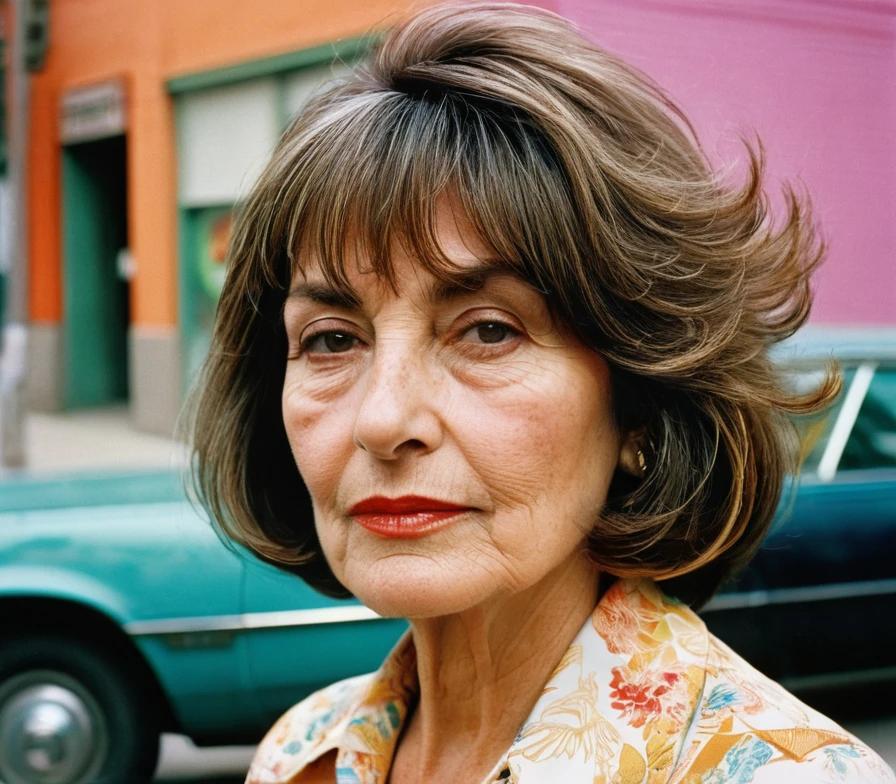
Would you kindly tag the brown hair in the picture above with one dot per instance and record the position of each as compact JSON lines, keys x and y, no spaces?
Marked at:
{"x":590,"y":184}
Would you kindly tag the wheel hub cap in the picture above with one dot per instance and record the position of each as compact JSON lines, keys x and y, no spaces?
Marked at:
{"x":51,"y":730}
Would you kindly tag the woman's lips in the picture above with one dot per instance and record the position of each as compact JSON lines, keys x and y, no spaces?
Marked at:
{"x":407,"y":517}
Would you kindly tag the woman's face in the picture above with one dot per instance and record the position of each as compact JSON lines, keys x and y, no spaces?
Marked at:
{"x":473,"y":398}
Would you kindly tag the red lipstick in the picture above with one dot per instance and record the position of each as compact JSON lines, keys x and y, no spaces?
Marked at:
{"x":407,"y":517}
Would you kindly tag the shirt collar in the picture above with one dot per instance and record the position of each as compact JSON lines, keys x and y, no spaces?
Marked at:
{"x":615,"y":704}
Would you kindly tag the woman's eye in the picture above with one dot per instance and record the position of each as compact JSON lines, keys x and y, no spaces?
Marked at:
{"x":490,"y":332}
{"x":332,"y":342}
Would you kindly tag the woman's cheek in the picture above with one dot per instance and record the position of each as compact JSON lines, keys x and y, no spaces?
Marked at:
{"x":300,"y":410}
{"x":498,"y":373}
{"x":318,"y":382}
{"x":508,"y":444}
{"x":529,"y":439}
{"x":319,"y":434}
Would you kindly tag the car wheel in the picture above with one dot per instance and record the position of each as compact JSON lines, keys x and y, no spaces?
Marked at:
{"x":70,"y":713}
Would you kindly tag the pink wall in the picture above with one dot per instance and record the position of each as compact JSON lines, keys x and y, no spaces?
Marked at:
{"x":816,"y":79}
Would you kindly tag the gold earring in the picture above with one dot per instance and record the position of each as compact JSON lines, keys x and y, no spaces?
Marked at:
{"x":642,"y":461}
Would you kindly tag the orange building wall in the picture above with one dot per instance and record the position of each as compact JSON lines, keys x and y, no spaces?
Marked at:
{"x":147,"y":42}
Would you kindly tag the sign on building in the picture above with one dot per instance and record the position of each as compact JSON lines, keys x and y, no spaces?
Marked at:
{"x":94,"y":112}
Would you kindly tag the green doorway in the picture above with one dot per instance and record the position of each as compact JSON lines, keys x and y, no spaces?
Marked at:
{"x":96,"y":297}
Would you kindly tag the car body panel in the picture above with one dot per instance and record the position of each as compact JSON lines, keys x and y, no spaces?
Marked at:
{"x":138,"y":562}
{"x":207,"y":683}
{"x":823,"y":584}
{"x":65,"y":584}
{"x":22,"y":491}
{"x":813,"y":540}
{"x":819,"y":585}
{"x":290,"y":661}
{"x":154,"y":557}
{"x":208,"y":619}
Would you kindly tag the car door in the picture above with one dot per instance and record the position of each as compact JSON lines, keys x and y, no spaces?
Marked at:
{"x":828,"y":569}
{"x":298,"y":640}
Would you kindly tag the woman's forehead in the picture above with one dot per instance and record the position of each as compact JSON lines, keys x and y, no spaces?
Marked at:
{"x":462,"y":256}
{"x":410,"y":276}
{"x":451,"y":240}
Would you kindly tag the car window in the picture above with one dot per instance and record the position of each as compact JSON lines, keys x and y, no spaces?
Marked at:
{"x":872,"y":441}
{"x":814,"y":430}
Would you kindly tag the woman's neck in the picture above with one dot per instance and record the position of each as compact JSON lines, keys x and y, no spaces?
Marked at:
{"x":482,"y":670}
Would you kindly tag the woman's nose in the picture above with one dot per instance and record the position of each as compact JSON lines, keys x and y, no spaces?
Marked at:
{"x":398,"y":412}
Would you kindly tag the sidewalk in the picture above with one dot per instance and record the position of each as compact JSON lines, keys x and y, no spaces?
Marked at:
{"x":92,"y":439}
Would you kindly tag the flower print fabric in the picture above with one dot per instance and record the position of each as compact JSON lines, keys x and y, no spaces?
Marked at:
{"x":644,"y":695}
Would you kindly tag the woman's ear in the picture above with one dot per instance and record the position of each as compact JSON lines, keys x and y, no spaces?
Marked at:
{"x":631,"y":453}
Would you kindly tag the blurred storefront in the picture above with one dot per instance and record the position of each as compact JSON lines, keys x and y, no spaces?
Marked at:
{"x":150,"y":119}
{"x":227,"y":123}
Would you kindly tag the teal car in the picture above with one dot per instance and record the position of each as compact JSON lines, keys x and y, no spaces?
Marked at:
{"x":123,"y":616}
{"x":814,"y":608}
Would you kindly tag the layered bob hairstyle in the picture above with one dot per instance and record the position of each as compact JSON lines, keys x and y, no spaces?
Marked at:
{"x":589,"y":184}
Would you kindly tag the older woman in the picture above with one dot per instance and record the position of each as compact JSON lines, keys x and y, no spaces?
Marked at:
{"x":492,"y":356}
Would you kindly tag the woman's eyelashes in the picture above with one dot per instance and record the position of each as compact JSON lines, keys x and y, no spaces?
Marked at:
{"x":480,"y":337}
{"x":329,"y":342}
{"x":322,"y":338}
{"x":489,"y":336}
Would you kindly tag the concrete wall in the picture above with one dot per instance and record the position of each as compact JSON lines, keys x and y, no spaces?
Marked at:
{"x":44,"y":381}
{"x":154,"y":378}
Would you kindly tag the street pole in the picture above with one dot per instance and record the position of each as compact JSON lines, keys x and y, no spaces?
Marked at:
{"x":13,"y":347}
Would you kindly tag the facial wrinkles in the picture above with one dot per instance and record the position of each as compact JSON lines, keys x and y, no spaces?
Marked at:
{"x":497,"y":419}
{"x":531,"y":429}
{"x":400,"y":358}
{"x":404,"y":322}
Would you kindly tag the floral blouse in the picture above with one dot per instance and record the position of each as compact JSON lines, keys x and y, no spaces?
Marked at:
{"x":645,"y":694}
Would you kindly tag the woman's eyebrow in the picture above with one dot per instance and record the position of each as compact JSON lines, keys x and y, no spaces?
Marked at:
{"x":323,"y":294}
{"x":461,"y":283}
{"x":467,"y":281}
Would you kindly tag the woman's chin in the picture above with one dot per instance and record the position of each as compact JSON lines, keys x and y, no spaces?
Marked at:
{"x":409,"y":592}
